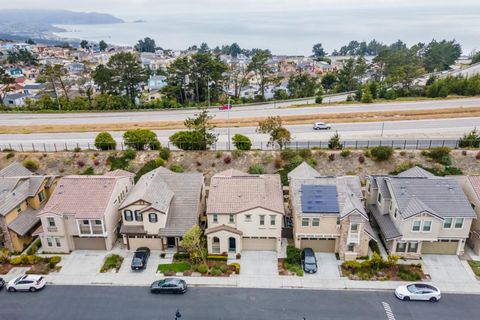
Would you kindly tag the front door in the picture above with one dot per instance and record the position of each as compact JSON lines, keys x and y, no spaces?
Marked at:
{"x":171,"y":242}
{"x":232,"y":245}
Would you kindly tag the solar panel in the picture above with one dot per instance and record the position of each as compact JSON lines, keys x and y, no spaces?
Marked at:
{"x":319,"y":199}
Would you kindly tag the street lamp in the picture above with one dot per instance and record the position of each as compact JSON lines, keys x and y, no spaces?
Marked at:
{"x":228,"y":122}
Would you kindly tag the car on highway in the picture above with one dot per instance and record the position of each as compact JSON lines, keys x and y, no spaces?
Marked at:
{"x":309,"y":261}
{"x":28,"y":282}
{"x":418,"y":291}
{"x":140,"y":258}
{"x":321,"y":126}
{"x":225,"y":107}
{"x":169,"y":285}
{"x":2,"y":283}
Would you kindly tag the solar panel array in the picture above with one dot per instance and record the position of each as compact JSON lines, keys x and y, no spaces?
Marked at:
{"x":319,"y":199}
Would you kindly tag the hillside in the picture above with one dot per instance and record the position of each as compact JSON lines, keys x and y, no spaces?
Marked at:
{"x":13,"y":16}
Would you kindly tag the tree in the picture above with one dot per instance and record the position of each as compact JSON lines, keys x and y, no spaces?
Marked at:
{"x":350,"y":75}
{"x":102,"y":77}
{"x":30,"y":41}
{"x":470,"y":140}
{"x":84,"y":44}
{"x":319,"y":97}
{"x":441,"y":55}
{"x":241,"y":142}
{"x":261,"y":69}
{"x":280,"y":94}
{"x":476,"y":57}
{"x":56,"y":77}
{"x":334,"y":142}
{"x":273,"y":127}
{"x":318,"y":51}
{"x":367,"y":96}
{"x":5,"y":81}
{"x":302,"y":85}
{"x":328,"y":81}
{"x":22,"y":56}
{"x":104,"y":141}
{"x":199,"y":135}
{"x":145,"y":45}
{"x":204,"y":48}
{"x":193,"y":243}
{"x":141,"y":139}
{"x":102,"y":45}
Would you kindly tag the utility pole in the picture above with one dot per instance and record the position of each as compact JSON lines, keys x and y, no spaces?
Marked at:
{"x":208,"y":91}
{"x":383,"y":126}
{"x":228,"y":122}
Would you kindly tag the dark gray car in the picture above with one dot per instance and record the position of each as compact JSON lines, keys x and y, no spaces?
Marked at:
{"x":169,"y":285}
{"x":309,"y":261}
{"x":140,"y":258}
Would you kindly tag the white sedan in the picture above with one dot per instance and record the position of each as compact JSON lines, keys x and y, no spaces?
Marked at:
{"x":418,"y":291}
{"x":27,"y":282}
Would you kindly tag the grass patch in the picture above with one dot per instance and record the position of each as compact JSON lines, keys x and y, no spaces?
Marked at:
{"x":112,"y":262}
{"x":475,"y":265}
{"x":174,"y":267}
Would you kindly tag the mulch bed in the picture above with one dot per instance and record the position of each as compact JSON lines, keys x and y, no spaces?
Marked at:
{"x":389,"y":273}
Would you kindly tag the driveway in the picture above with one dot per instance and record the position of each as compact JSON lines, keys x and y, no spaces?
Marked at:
{"x":327,"y":267}
{"x":82,"y":262}
{"x":259,"y":263}
{"x":445,"y":268}
{"x":152,"y":264}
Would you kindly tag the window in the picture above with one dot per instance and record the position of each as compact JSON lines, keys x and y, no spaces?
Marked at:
{"x":215,"y":218}
{"x":315,"y":222}
{"x":57,"y":242}
{"x":49,"y":242}
{"x":51,"y":222}
{"x":273,"y":220}
{"x":304,"y":222}
{"x":138,"y":215}
{"x":354,"y":227}
{"x":98,"y":222}
{"x":85,"y":222}
{"x":351,"y":247}
{"x":379,"y":197}
{"x":19,"y":208}
{"x":232,"y":219}
{"x":458,"y":223}
{"x":41,"y":196}
{"x":262,"y":220}
{"x":127,"y":214}
{"x":412,"y":246}
{"x":338,"y":221}
{"x":447,"y":224}
{"x":401,"y":246}
{"x":395,"y":213}
{"x":152,"y":217}
{"x":427,"y":226}
{"x":416,"y":225}
{"x":248,"y":217}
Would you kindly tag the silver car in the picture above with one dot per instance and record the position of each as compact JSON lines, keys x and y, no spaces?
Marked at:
{"x":321,"y":126}
{"x":418,"y":291}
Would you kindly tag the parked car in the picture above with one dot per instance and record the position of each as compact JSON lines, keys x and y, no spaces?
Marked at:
{"x":140,"y":258}
{"x":27,"y":282}
{"x":321,"y":126}
{"x":418,"y":291}
{"x":169,"y":285}
{"x":2,"y":283}
{"x":309,"y":261}
{"x":225,"y":107}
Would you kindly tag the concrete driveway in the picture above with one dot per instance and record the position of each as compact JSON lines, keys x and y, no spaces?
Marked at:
{"x":152,"y":264}
{"x":327,"y":267}
{"x":82,"y":262}
{"x":445,"y":268}
{"x":259,"y":263}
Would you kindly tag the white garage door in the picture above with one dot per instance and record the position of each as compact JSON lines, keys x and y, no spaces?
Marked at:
{"x":151,"y":243}
{"x":318,"y":245}
{"x":259,"y":244}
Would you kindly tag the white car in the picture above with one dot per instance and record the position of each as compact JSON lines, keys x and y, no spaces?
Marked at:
{"x":27,"y":282}
{"x":418,"y":291}
{"x":321,"y":126}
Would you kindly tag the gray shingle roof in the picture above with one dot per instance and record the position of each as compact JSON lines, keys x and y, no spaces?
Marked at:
{"x":132,"y":229}
{"x":303,"y":171}
{"x":25,"y":221}
{"x":387,"y":226}
{"x":416,"y":172}
{"x":15,"y":169}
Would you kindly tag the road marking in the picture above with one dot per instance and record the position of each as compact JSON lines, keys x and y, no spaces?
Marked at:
{"x":388,"y":311}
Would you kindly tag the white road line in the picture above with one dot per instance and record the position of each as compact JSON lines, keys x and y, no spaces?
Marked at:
{"x":388,"y":311}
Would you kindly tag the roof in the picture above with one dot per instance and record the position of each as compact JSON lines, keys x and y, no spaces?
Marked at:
{"x":24,"y":222}
{"x":15,"y":96}
{"x":319,"y":199}
{"x":132,"y":229}
{"x":34,"y":86}
{"x":233,"y":192}
{"x":15,"y":169}
{"x":223,"y":228}
{"x":85,"y":197}
{"x":303,"y":171}
{"x":416,"y":172}
{"x":475,"y":183}
{"x":387,"y":226}
{"x":119,"y":173}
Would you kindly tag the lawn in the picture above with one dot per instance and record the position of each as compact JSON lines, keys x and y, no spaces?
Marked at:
{"x":112,"y":262}
{"x":174,"y":267}
{"x":475,"y":265}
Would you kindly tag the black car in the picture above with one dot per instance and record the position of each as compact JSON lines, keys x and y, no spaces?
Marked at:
{"x":2,"y":283}
{"x":169,"y":285}
{"x":309,"y":261}
{"x":140,"y":257}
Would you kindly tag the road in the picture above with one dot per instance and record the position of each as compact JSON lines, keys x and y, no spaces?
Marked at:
{"x":240,"y":112}
{"x":421,"y":129}
{"x":107,"y":302}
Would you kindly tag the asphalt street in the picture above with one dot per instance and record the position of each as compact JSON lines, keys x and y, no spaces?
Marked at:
{"x":240,"y":112}
{"x":108,"y":302}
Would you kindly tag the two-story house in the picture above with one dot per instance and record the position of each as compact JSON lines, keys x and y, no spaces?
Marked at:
{"x":82,"y":212}
{"x":328,"y":214}
{"x":471,"y":188}
{"x":162,"y":206}
{"x":244,"y":212}
{"x":22,"y":195}
{"x":419,"y":213}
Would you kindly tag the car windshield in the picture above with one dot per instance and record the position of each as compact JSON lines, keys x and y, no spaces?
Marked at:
{"x":137,"y":260}
{"x":309,"y":260}
{"x":412,"y":288}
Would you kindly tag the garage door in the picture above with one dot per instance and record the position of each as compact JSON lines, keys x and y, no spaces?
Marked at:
{"x":440,"y":247}
{"x":89,"y":243}
{"x":318,"y":245}
{"x":151,"y":243}
{"x":259,"y":244}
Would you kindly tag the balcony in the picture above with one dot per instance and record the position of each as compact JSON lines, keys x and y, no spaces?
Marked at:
{"x":90,"y":228}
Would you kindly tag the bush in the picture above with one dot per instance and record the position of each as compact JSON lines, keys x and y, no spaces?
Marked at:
{"x":217,"y":257}
{"x":30,"y":164}
{"x":331,"y":156}
{"x":203,"y":268}
{"x":160,"y":162}
{"x":34,"y":247}
{"x":81,"y":163}
{"x":216,"y":271}
{"x":440,"y":155}
{"x":287,"y":154}
{"x":408,"y":275}
{"x":374,"y":246}
{"x":104,"y":141}
{"x":16,"y":260}
{"x":477,"y":156}
{"x":241,"y":142}
{"x":296,"y":161}
{"x":277,"y":163}
{"x":177,"y":168}
{"x":345,"y":153}
{"x":305,"y":153}
{"x":256,"y":169}
{"x":55,"y":259}
{"x":113,"y":261}
{"x":181,"y":255}
{"x":470,"y":140}
{"x":312,"y":162}
{"x":334,"y":142}
{"x":141,"y":139}
{"x":77,"y":149}
{"x":88,"y":172}
{"x":30,"y":259}
{"x":361,"y":159}
{"x":10,"y":155}
{"x":293,"y":255}
{"x":404,"y":166}
{"x":96,"y":162}
{"x":235,"y":267}
{"x":381,"y":153}
{"x":147,"y":167}
{"x":130,"y":154}
{"x":227,"y":159}
{"x":164,"y":153}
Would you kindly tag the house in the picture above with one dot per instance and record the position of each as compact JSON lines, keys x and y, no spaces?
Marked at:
{"x":244,"y":212}
{"x":76,"y":67}
{"x":157,"y":82}
{"x":22,"y":196}
{"x":15,"y":99}
{"x":419,"y":213}
{"x":82,"y":212}
{"x":328,"y":214}
{"x":16,"y":72}
{"x":33,"y":88}
{"x":161,"y":208}
{"x":471,"y":187}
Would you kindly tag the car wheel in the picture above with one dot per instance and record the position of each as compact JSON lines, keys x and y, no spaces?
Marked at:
{"x":406,"y":298}
{"x":32,"y":289}
{"x":156,"y":291}
{"x":433,"y":299}
{"x":11,"y":289}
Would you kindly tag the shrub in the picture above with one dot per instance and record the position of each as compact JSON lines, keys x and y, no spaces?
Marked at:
{"x":130,"y":154}
{"x":10,"y":155}
{"x":334,"y":142}
{"x":470,"y":140}
{"x":159,"y":162}
{"x":218,"y":154}
{"x":293,"y":255}
{"x":287,"y":154}
{"x":361,"y":159}
{"x":277,"y":163}
{"x":203,"y":268}
{"x":217,"y":257}
{"x":77,"y":149}
{"x":381,"y":153}
{"x":34,"y":247}
{"x":141,"y":139}
{"x":404,"y":166}
{"x":403,"y":153}
{"x":440,"y":155}
{"x":177,"y":168}
{"x":296,"y":161}
{"x":464,"y":152}
{"x":55,"y":259}
{"x":30,"y":164}
{"x":345,"y":153}
{"x":164,"y":153}
{"x":238,"y":255}
{"x":16,"y":260}
{"x":408,"y":275}
{"x":477,"y":156}
{"x":312,"y":162}
{"x":113,"y":261}
{"x":30,"y":259}
{"x":237,"y":154}
{"x":216,"y":271}
{"x":331,"y":156}
{"x":181,"y":255}
{"x":374,"y":246}
{"x":81,"y":163}
{"x":227,"y":159}
{"x":147,"y":167}
{"x":104,"y":141}
{"x":256,"y":169}
{"x":241,"y":142}
{"x":88,"y":172}
{"x":235,"y":267}
{"x":305,"y":153}
{"x":96,"y":162}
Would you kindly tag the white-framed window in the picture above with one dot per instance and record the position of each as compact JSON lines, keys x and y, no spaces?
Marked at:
{"x":152,"y":217}
{"x":98,"y":222}
{"x":273,"y":220}
{"x":447,"y":224}
{"x":262,"y":220}
{"x":49,"y":242}
{"x":57,"y":242}
{"x":351,"y":247}
{"x":458,"y":223}
{"x":51,"y":222}
{"x":127,"y":214}
{"x":401,"y":247}
{"x":315,"y":222}
{"x":231,"y":218}
{"x":248,"y":217}
{"x":138,"y":215}
{"x":427,"y":226}
{"x":86,"y":222}
{"x":413,"y":246}
{"x":416,"y":225}
{"x":305,"y":222}
{"x":41,"y":196}
{"x":215,"y":218}
{"x":354,"y":227}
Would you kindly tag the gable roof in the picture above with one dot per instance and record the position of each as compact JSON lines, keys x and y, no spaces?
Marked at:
{"x":233,"y":191}
{"x":475,"y":183}
{"x":15,"y":169}
{"x":223,"y":228}
{"x":303,"y":171}
{"x":416,"y":172}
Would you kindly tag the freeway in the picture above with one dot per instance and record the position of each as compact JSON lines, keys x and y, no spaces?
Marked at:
{"x":271,"y":109}
{"x":419,"y":129}
{"x":108,"y":302}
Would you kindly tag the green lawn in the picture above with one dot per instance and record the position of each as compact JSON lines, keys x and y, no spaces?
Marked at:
{"x":475,"y":265}
{"x":174,"y":267}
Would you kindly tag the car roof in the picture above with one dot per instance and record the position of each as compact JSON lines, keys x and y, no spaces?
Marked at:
{"x":172,"y":280}
{"x":308,"y":250}
{"x":31,"y":277}
{"x":424,"y":285}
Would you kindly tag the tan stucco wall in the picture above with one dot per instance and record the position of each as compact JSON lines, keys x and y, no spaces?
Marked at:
{"x":224,"y":236}
{"x":151,"y":227}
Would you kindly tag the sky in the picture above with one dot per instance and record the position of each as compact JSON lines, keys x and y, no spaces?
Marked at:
{"x":286,"y":26}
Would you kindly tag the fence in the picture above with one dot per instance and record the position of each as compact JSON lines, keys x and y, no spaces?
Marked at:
{"x":411,"y":144}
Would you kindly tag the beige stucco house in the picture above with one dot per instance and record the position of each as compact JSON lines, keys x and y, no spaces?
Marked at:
{"x":471,"y":188}
{"x":419,"y":213}
{"x":328,"y":213}
{"x":162,"y":206}
{"x":22,"y":195}
{"x":244,"y":212}
{"x":82,"y":212}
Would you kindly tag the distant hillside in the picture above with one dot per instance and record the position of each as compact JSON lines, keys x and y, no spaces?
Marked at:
{"x":38,"y":16}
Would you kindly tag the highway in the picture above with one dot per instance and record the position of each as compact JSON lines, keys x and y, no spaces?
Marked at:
{"x":271,"y":109}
